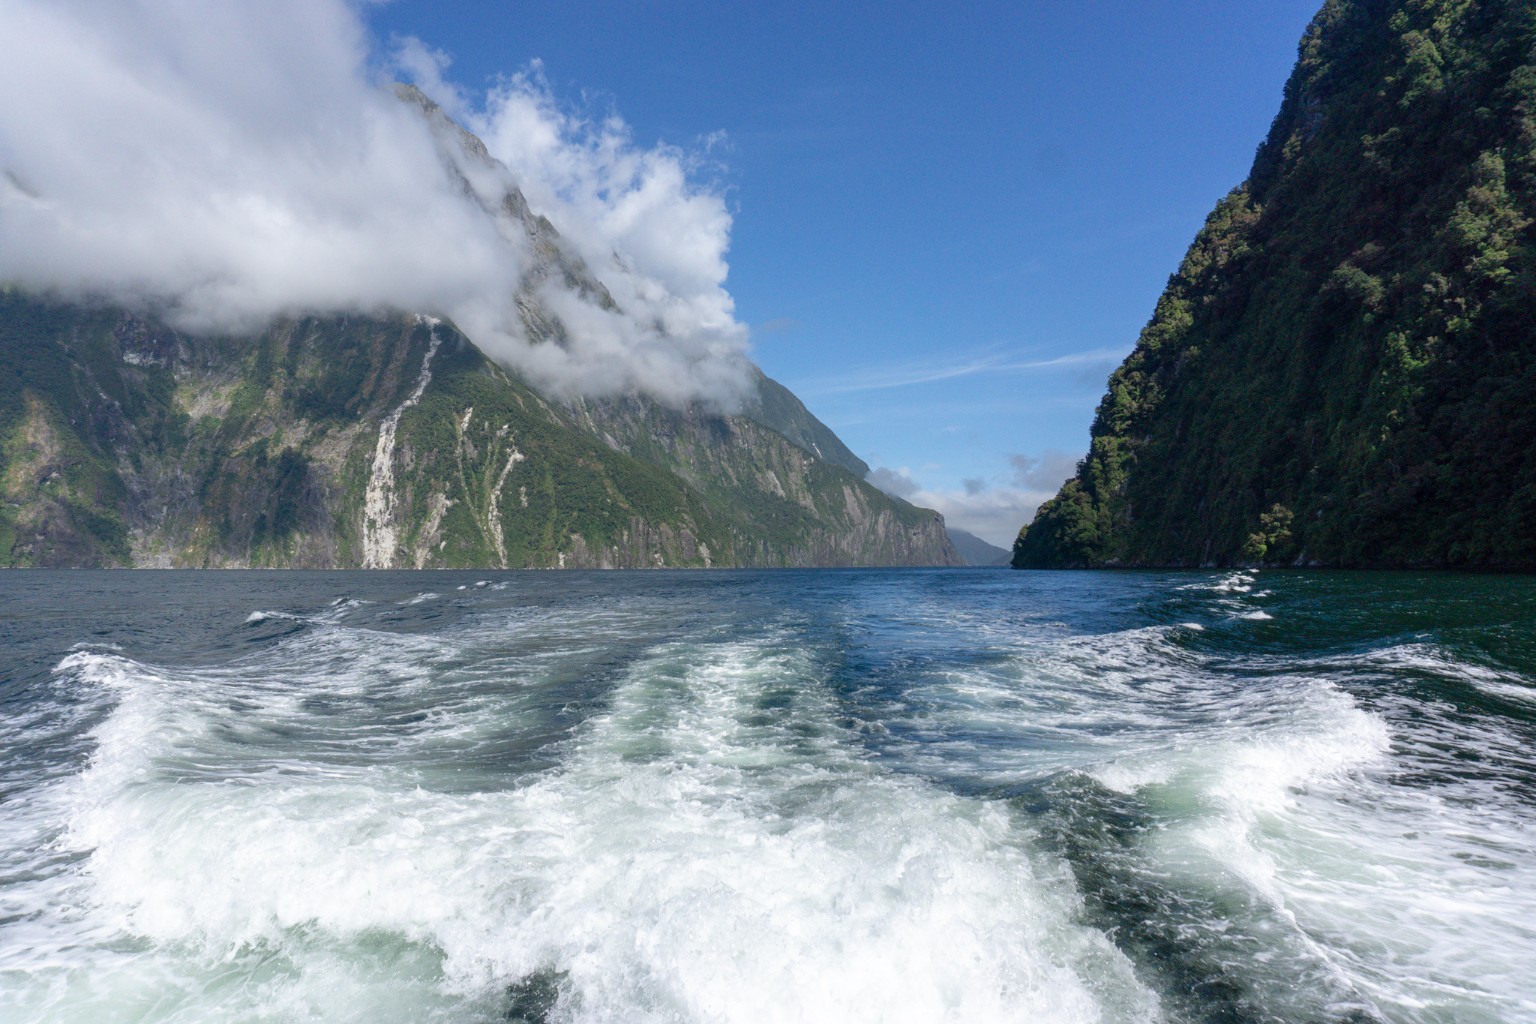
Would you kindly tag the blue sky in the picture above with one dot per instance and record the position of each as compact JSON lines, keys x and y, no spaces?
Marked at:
{"x":950,"y":221}
{"x":941,"y":225}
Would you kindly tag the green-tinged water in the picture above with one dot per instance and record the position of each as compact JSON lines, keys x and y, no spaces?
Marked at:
{"x":906,"y":795}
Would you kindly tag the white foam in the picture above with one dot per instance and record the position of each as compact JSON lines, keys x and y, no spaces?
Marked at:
{"x":1279,"y":788}
{"x":693,"y":858}
{"x":1521,"y":691}
{"x":1431,"y":660}
{"x":1056,"y":703}
{"x":1234,"y":583}
{"x":1419,"y":901}
{"x":765,"y":880}
{"x":330,"y":829}
{"x":1129,"y":777}
{"x":264,"y":616}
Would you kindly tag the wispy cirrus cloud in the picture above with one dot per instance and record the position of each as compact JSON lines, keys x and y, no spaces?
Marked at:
{"x":779,"y":325}
{"x":912,"y":374}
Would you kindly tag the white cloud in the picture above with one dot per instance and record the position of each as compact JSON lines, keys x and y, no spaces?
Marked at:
{"x":1092,"y":365}
{"x":994,"y":515}
{"x":427,"y":67}
{"x":656,"y":240}
{"x":992,"y":512}
{"x":1046,"y":471}
{"x":229,"y":163}
{"x":895,"y":482}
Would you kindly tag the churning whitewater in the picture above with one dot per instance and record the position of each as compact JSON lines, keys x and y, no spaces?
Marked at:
{"x":767,"y":796}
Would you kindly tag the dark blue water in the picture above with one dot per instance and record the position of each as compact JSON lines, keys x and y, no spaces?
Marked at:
{"x":767,"y":796}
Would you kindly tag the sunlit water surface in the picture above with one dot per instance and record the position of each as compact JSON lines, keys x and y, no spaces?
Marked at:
{"x":923,"y":796}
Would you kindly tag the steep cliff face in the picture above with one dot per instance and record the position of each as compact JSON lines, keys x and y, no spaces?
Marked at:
{"x":781,"y":504}
{"x":387,"y":442}
{"x":775,"y":407}
{"x":1343,"y":369}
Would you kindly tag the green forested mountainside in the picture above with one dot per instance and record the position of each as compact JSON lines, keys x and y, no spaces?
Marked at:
{"x":376,"y":441}
{"x":1343,"y":369}
{"x":781,"y":503}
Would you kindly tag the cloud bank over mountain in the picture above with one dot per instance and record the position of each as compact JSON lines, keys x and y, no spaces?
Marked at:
{"x":229,"y":163}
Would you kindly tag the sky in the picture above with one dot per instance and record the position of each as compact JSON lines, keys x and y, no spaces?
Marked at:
{"x":941,"y":225}
{"x":949,"y":221}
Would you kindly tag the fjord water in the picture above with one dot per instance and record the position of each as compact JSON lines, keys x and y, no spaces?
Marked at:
{"x":910,"y":795}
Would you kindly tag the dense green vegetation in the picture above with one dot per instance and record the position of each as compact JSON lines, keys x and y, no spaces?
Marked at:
{"x":125,"y":442}
{"x":777,"y":408}
{"x":779,"y":503}
{"x":1343,"y":369}
{"x":476,"y":423}
{"x":60,"y":495}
